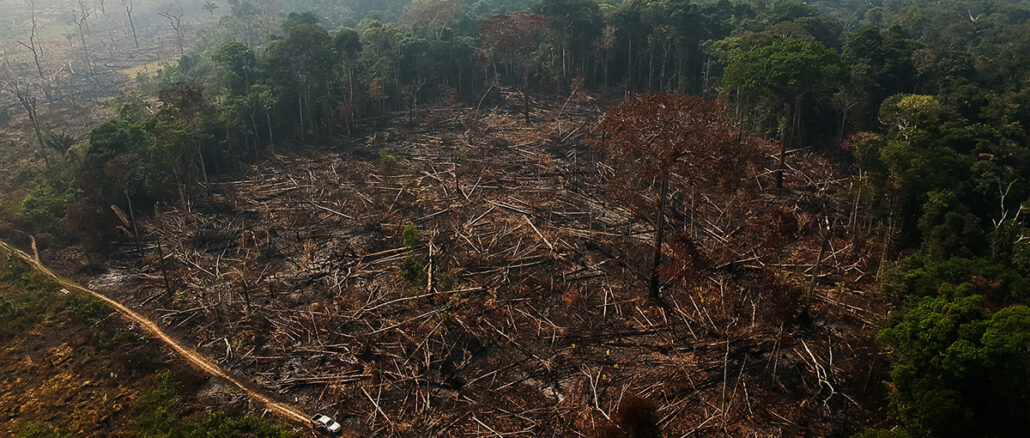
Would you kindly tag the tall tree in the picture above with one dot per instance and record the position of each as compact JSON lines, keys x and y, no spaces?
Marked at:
{"x":80,"y":21}
{"x":174,"y":17}
{"x":580,"y":25}
{"x":786,"y":70}
{"x":36,"y":50}
{"x":347,"y":44}
{"x":432,"y":17}
{"x":302,"y":63}
{"x":238,"y":64}
{"x":29,"y":104}
{"x":654,"y":139}
{"x":132,"y":24}
{"x":515,"y":40}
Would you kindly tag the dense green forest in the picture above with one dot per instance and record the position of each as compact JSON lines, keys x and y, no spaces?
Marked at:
{"x":927,"y":102}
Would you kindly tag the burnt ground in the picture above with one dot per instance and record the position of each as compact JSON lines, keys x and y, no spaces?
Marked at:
{"x":536,"y":319}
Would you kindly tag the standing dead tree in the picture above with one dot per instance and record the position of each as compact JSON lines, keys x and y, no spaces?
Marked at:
{"x":649,"y":140}
{"x":132,"y":24}
{"x":84,"y":12}
{"x":174,"y":17}
{"x":29,"y":104}
{"x":80,"y":21}
{"x":37,"y":51}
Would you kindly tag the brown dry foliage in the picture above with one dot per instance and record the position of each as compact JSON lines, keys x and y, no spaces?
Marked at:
{"x":661,"y":134}
{"x":784,"y":297}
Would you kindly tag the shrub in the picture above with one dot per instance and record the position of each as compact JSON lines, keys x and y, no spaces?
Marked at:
{"x":413,"y":272}
{"x":60,"y":141}
{"x":109,"y":338}
{"x":219,"y":424}
{"x":917,"y":277}
{"x":44,"y":210}
{"x":386,"y":161}
{"x":410,"y":236}
{"x":162,"y":412}
{"x":445,"y":281}
{"x":26,"y":297}
{"x":88,"y":308}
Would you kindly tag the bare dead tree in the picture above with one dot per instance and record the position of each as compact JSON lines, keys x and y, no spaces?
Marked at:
{"x":132,"y":25}
{"x":28,"y":102}
{"x":174,"y":18}
{"x":35,"y":49}
{"x":80,"y":21}
{"x":84,"y":12}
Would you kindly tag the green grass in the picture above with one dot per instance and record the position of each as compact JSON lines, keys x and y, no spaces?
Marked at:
{"x":163,"y":413}
{"x":28,"y":298}
{"x":41,"y":430}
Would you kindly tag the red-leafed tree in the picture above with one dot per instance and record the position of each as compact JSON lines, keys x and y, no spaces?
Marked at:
{"x":517,"y":41}
{"x":433,"y":17}
{"x":662,"y":139}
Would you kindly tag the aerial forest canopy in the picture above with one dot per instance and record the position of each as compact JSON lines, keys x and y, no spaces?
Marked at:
{"x":115,"y":114}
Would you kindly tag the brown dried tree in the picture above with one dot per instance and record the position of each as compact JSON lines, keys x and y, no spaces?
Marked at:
{"x":433,"y":17}
{"x":512,"y":42}
{"x":660,"y":138}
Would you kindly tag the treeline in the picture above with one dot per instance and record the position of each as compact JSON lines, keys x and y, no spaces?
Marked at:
{"x":928,"y":100}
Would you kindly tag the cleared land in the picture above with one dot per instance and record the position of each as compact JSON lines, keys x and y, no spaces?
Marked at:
{"x":522,"y":304}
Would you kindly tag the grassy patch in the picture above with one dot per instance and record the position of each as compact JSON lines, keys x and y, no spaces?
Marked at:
{"x":28,"y":298}
{"x":41,"y":430}
{"x":163,"y":413}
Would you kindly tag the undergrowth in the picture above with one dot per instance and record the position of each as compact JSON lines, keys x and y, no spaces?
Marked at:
{"x":163,"y":412}
{"x":28,"y":298}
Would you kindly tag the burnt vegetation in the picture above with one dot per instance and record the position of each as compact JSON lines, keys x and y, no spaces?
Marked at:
{"x":564,"y":217}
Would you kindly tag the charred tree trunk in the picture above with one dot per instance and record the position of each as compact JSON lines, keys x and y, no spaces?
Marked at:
{"x":300,"y":110}
{"x":164,"y":270}
{"x":659,"y":234}
{"x":819,"y":261}
{"x":200,"y":158}
{"x":36,"y":52}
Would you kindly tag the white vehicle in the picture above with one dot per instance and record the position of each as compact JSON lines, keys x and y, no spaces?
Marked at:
{"x":326,"y":424}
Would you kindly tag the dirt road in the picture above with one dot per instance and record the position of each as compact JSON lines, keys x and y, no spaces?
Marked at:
{"x":286,"y":411}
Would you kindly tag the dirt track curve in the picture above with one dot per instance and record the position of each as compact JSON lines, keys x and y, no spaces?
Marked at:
{"x":288,"y":412}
